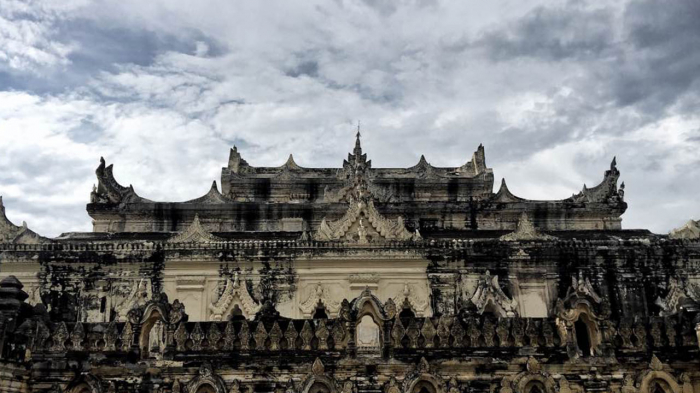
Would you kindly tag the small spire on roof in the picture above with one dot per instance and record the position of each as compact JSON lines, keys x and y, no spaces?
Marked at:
{"x":613,"y":164}
{"x":358,"y":147}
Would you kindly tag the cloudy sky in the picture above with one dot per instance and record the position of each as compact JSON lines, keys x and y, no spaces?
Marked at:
{"x":163,"y":89}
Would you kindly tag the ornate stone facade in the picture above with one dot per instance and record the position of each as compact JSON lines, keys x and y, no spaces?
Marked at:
{"x":347,"y":280}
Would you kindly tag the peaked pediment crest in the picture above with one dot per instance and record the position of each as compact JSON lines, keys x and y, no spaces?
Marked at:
{"x":677,"y":297}
{"x":195,"y":233}
{"x":691,"y":230}
{"x":320,"y":294}
{"x":526,"y":230}
{"x":235,"y":293}
{"x":412,"y":295}
{"x":488,"y":291}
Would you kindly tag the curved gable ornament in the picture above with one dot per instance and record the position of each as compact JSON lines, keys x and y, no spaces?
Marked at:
{"x":234,"y":294}
{"x":488,"y":291}
{"x":206,"y":377}
{"x":195,"y":233}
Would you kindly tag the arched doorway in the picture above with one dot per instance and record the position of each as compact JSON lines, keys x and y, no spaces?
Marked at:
{"x":535,"y":387}
{"x":319,"y":387}
{"x":424,"y":387}
{"x":659,"y":386}
{"x":206,"y":389}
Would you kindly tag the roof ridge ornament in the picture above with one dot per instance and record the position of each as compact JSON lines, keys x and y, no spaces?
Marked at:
{"x":15,"y":234}
{"x":691,"y":230}
{"x":526,"y":230}
{"x":195,"y":233}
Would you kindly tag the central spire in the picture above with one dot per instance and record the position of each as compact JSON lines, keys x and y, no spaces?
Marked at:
{"x":358,"y":147}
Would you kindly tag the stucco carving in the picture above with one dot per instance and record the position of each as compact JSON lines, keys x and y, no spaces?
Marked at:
{"x":415,"y":295}
{"x":488,"y":292}
{"x":139,"y":296}
{"x":691,"y":230}
{"x":319,"y":294}
{"x":235,"y":293}
{"x":526,"y":230}
{"x":194,"y":233}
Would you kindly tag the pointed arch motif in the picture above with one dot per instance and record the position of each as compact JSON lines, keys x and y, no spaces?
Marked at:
{"x":318,"y":381}
{"x":319,"y":294}
{"x":488,"y":294}
{"x":422,"y":379}
{"x":195,"y":233}
{"x":235,"y":293}
{"x":411,"y":295}
{"x":529,"y":381}
{"x":656,"y":377}
{"x":85,"y":383}
{"x":581,"y":307}
{"x":206,"y":377}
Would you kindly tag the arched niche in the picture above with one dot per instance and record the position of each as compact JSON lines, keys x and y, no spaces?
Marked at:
{"x":586,"y":334}
{"x":81,"y":388}
{"x":319,"y":384}
{"x":368,"y":335}
{"x":535,"y":387}
{"x":152,"y":335}
{"x":425,"y":383}
{"x":424,"y":386}
{"x":319,"y":387}
{"x":206,"y":388}
{"x":369,"y":323}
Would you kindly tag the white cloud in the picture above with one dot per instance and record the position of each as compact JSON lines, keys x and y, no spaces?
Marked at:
{"x":295,"y":78}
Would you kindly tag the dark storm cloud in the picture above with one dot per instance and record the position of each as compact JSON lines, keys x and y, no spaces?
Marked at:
{"x":662,"y":65}
{"x":559,"y":33}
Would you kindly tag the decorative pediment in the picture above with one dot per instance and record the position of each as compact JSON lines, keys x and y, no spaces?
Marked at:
{"x":417,"y":298}
{"x":677,"y":298}
{"x":320,"y":294}
{"x":691,"y":230}
{"x":138,"y":296}
{"x":361,"y":223}
{"x":581,"y":296}
{"x":235,"y":293}
{"x":526,"y":230}
{"x":488,"y":294}
{"x":195,"y":233}
{"x":206,"y":377}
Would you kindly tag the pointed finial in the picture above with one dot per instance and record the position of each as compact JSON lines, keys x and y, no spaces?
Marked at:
{"x":358,"y":147}
{"x":214,"y":186}
{"x":613,"y":164}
